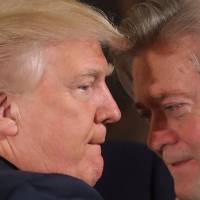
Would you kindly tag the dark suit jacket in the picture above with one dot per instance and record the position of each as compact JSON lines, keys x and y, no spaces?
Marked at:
{"x":133,"y":172}
{"x":18,"y":185}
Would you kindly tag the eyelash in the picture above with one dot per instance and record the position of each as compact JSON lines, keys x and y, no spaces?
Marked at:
{"x":84,"y":87}
{"x":173,"y":106}
{"x":87,"y":86}
{"x":175,"y":109}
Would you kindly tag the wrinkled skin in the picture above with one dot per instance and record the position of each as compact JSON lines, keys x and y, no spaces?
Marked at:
{"x":167,"y":93}
{"x":61,"y":124}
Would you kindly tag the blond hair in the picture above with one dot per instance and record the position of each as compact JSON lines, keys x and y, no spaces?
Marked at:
{"x":25,"y":25}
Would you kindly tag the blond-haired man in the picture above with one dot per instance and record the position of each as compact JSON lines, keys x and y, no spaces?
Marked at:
{"x":55,"y":102}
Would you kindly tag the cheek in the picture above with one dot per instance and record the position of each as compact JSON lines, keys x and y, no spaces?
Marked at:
{"x":191,"y":133}
{"x":73,"y":126}
{"x":64,"y":120}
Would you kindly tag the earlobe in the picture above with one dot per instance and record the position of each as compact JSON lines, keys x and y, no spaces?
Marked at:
{"x":8,"y":126}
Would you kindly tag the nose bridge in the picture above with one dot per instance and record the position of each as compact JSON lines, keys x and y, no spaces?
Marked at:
{"x":108,"y":110}
{"x":158,"y":121}
{"x":160,"y":134}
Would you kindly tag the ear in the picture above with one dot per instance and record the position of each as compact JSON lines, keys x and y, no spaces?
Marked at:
{"x":8,"y":126}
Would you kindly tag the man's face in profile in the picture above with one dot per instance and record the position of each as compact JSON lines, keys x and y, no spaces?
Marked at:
{"x":167,"y":93}
{"x":63,"y":119}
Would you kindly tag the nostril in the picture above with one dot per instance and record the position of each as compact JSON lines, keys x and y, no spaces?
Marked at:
{"x":158,"y":140}
{"x":107,"y":116}
{"x":160,"y":153}
{"x":115,"y":117}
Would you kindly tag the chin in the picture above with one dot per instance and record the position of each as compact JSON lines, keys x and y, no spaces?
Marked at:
{"x":188,"y":191}
{"x":94,"y":172}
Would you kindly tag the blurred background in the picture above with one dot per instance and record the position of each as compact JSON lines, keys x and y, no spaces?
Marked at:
{"x":130,"y":127}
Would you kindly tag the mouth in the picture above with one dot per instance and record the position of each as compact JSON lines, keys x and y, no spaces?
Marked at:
{"x":180,"y":163}
{"x":177,"y":159}
{"x":97,"y":142}
{"x":98,"y":138}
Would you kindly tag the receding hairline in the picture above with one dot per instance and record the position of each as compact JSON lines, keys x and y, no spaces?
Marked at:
{"x":163,"y":22}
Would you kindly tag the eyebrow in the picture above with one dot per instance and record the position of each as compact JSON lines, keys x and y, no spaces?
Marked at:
{"x":167,"y":94}
{"x":97,"y":72}
{"x":163,"y":95}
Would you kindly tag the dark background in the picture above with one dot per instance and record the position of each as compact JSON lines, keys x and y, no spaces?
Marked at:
{"x":130,"y":127}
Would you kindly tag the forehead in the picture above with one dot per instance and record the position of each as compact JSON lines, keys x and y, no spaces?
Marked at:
{"x":75,"y":55}
{"x":159,"y":71}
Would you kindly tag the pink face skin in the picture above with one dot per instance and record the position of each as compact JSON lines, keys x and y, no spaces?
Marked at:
{"x":167,"y":92}
{"x":62,"y":122}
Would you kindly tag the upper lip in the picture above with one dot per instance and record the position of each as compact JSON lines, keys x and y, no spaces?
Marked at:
{"x":178,"y":161}
{"x":172,"y":156}
{"x":175,"y":158}
{"x":98,"y":137}
{"x":95,"y":141}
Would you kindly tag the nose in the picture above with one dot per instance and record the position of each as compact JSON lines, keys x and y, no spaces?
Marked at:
{"x":108,"y":110}
{"x":160,"y":135}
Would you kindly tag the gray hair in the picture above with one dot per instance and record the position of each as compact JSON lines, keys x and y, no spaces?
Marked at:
{"x":27,"y":25}
{"x":157,"y":21}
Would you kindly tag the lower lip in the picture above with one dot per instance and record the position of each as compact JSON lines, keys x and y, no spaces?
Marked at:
{"x":182,"y":164}
{"x":179,"y":164}
{"x":96,"y":148}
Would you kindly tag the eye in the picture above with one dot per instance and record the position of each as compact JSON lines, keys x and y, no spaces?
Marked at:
{"x":84,"y":87}
{"x":144,"y":114}
{"x":177,"y":109}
